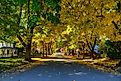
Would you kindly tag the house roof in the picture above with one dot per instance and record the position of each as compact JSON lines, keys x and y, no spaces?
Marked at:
{"x":6,"y":48}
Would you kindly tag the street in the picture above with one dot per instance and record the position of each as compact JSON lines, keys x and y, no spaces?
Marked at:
{"x":61,"y":71}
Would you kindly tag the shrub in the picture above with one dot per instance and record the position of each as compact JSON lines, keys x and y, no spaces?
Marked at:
{"x":113,"y":49}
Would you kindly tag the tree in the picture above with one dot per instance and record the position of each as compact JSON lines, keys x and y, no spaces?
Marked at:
{"x":94,"y":18}
{"x":22,"y":16}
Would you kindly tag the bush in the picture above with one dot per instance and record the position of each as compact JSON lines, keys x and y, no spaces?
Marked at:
{"x":113,"y":49}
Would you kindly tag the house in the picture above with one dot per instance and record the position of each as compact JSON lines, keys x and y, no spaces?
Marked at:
{"x":7,"y":50}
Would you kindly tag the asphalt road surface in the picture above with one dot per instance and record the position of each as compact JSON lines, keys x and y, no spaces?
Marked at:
{"x":61,"y":71}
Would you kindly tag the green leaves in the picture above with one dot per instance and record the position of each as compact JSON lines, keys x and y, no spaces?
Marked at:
{"x":21,"y":1}
{"x":31,"y":15}
{"x":55,"y":7}
{"x":113,"y":49}
{"x":36,"y":10}
{"x":53,"y":18}
{"x":117,"y":6}
{"x":33,"y":20}
{"x":53,"y":4}
{"x":36,"y":6}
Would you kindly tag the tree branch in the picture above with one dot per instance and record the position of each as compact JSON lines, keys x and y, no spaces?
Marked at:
{"x":94,"y":43}
{"x":21,"y":40}
{"x":115,"y":25}
{"x":20,"y":13}
{"x":88,"y":45}
{"x":38,"y":25}
{"x":18,"y":23}
{"x":28,"y":13}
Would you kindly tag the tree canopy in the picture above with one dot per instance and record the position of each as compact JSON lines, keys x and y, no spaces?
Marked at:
{"x":64,"y":22}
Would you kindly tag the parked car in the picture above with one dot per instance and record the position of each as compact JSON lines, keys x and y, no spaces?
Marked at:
{"x":58,"y":55}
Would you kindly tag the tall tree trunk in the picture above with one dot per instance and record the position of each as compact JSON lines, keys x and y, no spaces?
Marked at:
{"x":91,"y":47}
{"x":28,"y":46}
{"x":46,"y":49}
{"x":51,"y":49}
{"x":28,"y":53}
{"x":92,"y":51}
{"x":29,"y":37}
{"x":43,"y":49}
{"x":88,"y":44}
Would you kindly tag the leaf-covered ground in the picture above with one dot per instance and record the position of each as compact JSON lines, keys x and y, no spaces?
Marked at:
{"x":9,"y":63}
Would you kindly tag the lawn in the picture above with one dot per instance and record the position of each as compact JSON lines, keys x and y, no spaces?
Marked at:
{"x":9,"y":63}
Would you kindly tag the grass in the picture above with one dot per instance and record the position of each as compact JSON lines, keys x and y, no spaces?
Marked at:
{"x":9,"y":63}
{"x":103,"y":64}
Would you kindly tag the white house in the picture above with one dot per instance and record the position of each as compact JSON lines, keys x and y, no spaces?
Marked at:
{"x":7,"y":50}
{"x":6,"y":45}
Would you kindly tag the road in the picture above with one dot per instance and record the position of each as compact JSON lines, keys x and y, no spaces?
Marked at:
{"x":61,"y":71}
